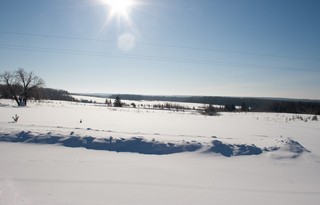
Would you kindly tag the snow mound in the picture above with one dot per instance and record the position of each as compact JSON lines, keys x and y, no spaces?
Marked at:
{"x":229,"y":150}
{"x":287,"y":148}
{"x":293,"y":146}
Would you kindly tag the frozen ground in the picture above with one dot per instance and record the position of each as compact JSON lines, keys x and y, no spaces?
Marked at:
{"x":45,"y":170}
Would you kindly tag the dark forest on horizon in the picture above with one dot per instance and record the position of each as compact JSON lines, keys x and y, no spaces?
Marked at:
{"x":278,"y":105}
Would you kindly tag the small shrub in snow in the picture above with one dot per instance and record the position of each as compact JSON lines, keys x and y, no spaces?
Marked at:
{"x":210,"y":110}
{"x":15,"y":118}
{"x":314,"y":118}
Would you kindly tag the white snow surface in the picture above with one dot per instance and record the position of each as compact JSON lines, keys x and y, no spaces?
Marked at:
{"x":33,"y":173}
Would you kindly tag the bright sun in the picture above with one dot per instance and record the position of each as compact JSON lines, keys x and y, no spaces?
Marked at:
{"x":119,"y":7}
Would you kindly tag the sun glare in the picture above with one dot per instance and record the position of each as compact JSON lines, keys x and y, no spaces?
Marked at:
{"x":119,"y":7}
{"x":119,"y":13}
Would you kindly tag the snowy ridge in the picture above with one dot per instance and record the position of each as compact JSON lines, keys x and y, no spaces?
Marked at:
{"x":134,"y":144}
{"x":144,"y":146}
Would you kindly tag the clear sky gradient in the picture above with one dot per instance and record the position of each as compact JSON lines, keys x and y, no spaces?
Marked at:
{"x":252,"y":48}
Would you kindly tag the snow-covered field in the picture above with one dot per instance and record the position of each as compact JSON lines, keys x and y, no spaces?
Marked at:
{"x":77,"y":153}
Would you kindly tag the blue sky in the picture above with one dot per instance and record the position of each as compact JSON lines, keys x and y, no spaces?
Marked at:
{"x":247,"y":48}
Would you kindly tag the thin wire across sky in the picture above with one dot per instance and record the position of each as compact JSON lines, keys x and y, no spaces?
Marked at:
{"x":231,"y":65}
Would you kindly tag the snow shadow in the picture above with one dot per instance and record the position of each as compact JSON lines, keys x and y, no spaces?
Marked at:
{"x":134,"y":144}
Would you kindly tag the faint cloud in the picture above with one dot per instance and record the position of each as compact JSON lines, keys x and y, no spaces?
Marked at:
{"x":126,"y":42}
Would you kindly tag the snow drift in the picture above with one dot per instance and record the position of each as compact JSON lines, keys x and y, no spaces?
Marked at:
{"x":144,"y":146}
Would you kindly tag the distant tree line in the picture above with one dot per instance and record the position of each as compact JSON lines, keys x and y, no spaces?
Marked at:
{"x":170,"y":106}
{"x":296,"y":107}
{"x":246,"y":104}
{"x":54,"y":94}
{"x":40,"y":94}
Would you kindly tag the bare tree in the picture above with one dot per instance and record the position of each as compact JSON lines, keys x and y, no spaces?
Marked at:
{"x":21,"y":84}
